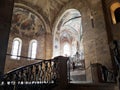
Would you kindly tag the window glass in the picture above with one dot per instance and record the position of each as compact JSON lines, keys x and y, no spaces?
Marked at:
{"x":16,"y":48}
{"x":32,"y":49}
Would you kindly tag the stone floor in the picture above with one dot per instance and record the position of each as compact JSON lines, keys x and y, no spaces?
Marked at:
{"x":78,"y":76}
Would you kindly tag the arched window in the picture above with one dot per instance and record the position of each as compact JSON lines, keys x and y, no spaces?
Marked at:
{"x":66,"y":49}
{"x":16,"y":48}
{"x":32,"y":49}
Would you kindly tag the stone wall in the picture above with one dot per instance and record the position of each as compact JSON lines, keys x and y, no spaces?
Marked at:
{"x":95,"y":40}
{"x":114,"y":29}
{"x":95,"y":37}
{"x":43,"y":50}
{"x":12,"y":64}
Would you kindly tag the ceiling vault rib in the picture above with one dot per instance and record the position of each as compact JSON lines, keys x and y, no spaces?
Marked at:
{"x":72,"y":19}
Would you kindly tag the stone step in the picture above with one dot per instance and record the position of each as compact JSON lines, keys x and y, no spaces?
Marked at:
{"x":89,"y":86}
{"x":92,"y":86}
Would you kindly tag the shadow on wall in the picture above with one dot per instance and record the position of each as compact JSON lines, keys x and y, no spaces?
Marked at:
{"x":13,"y":64}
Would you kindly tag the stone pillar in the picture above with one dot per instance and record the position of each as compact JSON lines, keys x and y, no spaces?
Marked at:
{"x":95,"y":39}
{"x":48,"y":46}
{"x":6,"y":7}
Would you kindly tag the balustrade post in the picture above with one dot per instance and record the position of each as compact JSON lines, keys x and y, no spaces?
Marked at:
{"x":97,"y":73}
{"x":62,"y":71}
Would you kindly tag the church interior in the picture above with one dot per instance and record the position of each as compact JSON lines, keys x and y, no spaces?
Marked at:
{"x":60,"y":44}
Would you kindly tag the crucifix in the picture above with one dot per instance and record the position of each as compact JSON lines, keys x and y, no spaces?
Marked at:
{"x":92,"y":20}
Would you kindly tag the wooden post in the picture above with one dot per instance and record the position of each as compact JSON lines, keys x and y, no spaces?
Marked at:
{"x":62,"y":70}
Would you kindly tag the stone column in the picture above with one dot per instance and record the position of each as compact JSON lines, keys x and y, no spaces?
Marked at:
{"x":48,"y":46}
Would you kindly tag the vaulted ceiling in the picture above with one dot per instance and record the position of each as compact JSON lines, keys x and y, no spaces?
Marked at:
{"x":44,"y":11}
{"x":48,"y":10}
{"x":26,"y":23}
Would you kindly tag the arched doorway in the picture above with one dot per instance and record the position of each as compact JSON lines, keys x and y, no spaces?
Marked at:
{"x":68,"y":40}
{"x":68,"y":30}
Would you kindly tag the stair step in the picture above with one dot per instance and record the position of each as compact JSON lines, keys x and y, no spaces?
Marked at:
{"x":28,"y":87}
{"x":92,"y":86}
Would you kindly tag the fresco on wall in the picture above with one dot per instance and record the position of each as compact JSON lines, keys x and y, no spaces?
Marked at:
{"x":51,"y":7}
{"x":26,"y":23}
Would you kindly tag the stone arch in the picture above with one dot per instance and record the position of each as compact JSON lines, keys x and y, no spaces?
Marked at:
{"x":47,"y":28}
{"x":68,"y":34}
{"x":80,"y":6}
{"x":91,"y":35}
{"x":113,"y":8}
